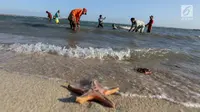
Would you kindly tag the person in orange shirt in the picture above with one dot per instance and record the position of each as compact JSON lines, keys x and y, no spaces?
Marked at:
{"x":74,"y":17}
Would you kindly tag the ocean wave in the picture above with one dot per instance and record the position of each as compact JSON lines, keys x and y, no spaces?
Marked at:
{"x":90,"y":52}
{"x":162,"y":97}
{"x":78,"y":52}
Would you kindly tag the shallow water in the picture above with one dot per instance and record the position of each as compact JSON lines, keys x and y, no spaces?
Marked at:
{"x":105,"y":54}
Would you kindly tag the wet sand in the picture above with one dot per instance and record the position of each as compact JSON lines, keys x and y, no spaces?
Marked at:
{"x":25,"y":92}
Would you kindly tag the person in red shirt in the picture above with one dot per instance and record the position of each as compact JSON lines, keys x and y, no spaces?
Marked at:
{"x":149,"y":25}
{"x":74,"y":17}
{"x":49,"y":16}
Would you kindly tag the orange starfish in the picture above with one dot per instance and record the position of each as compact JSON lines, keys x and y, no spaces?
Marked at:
{"x":94,"y":92}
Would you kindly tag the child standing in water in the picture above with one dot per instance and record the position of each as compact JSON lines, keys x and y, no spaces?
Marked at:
{"x":56,"y":17}
{"x":101,"y":19}
{"x":149,"y":25}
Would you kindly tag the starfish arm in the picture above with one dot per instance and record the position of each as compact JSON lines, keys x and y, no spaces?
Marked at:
{"x":86,"y":97}
{"x":95,"y":83}
{"x":97,"y":86}
{"x":102,"y":99}
{"x":76,"y":90}
{"x":111,"y":91}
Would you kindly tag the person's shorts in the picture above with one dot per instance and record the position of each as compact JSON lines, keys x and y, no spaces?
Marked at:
{"x":72,"y":20}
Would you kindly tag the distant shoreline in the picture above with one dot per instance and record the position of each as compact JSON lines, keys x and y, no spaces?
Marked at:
{"x":96,"y":21}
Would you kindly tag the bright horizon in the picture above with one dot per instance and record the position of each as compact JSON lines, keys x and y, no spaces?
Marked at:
{"x":166,"y":13}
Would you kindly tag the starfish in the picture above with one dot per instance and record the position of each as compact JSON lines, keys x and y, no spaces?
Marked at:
{"x":94,"y":92}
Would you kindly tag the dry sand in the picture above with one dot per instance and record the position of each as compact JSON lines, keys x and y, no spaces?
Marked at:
{"x":34,"y":93}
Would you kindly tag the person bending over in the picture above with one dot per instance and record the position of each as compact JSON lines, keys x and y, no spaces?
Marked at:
{"x":137,"y":25}
{"x":49,"y":16}
{"x":74,"y":17}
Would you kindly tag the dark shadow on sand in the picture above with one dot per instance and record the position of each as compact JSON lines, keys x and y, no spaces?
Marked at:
{"x":68,"y":100}
{"x":71,"y":99}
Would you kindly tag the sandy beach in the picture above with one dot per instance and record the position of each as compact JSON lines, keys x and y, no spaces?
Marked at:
{"x":35,"y":93}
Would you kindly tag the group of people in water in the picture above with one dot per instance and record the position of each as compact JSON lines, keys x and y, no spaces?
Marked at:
{"x":138,"y":25}
{"x":55,"y":17}
{"x":75,"y":15}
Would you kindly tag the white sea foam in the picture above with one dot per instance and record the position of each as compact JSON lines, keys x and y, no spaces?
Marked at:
{"x":163,"y":97}
{"x":148,"y":52}
{"x":1,"y":47}
{"x":125,"y":27}
{"x":152,"y":50}
{"x":77,"y":52}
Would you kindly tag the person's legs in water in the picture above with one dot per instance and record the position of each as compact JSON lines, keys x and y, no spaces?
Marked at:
{"x":148,"y":30}
{"x":100,"y":25}
{"x":142,"y":29}
{"x":136,"y":30}
{"x":72,"y":22}
{"x":73,"y":25}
